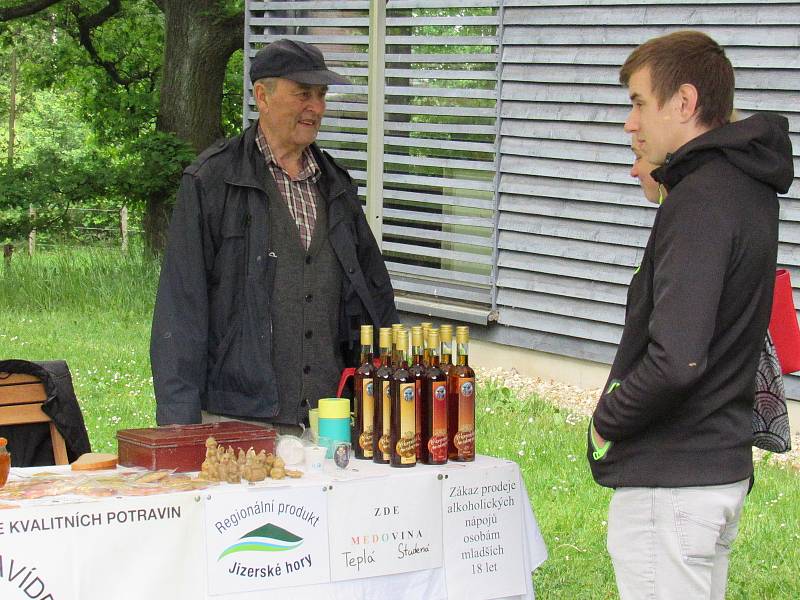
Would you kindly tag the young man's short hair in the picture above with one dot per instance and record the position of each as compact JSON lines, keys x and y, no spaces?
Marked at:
{"x":687,"y":57}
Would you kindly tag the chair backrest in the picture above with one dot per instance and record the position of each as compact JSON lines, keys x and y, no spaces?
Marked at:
{"x":21,"y":399}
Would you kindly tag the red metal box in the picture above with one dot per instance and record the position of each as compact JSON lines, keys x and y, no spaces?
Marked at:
{"x":183,"y":447}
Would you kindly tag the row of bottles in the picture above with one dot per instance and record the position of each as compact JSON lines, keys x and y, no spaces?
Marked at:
{"x":422,"y":409}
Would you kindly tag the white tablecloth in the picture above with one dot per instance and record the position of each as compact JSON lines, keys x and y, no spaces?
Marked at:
{"x":156,"y":547}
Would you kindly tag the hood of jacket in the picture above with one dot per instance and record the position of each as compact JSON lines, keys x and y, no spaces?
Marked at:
{"x":759,"y":146}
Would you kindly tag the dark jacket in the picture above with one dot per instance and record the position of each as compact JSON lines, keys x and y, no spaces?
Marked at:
{"x":679,"y":400}
{"x":211,"y":343}
{"x":31,"y":445}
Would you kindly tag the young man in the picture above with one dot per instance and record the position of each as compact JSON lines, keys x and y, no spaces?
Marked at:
{"x":270,"y":268}
{"x":672,"y":431}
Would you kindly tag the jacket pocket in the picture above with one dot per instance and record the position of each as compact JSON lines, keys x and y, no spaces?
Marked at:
{"x":380,"y":279}
{"x":230,"y":260}
{"x":224,"y":351}
{"x":599,"y":453}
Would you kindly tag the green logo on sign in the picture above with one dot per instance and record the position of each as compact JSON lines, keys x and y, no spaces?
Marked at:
{"x":267,"y":538}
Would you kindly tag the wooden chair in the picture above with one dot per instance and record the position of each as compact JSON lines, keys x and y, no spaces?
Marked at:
{"x":21,"y":399}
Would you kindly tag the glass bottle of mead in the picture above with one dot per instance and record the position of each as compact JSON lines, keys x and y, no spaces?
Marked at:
{"x":365,"y":399}
{"x":417,"y":370}
{"x":461,"y":408}
{"x":434,"y":408}
{"x":382,"y":413}
{"x":402,"y":433}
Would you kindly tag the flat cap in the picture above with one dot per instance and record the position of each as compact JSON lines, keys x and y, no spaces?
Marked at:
{"x":298,"y":61}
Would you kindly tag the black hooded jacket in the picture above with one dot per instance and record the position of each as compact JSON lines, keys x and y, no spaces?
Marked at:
{"x":678,"y":403}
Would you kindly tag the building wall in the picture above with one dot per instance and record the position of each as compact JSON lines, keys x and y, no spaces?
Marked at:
{"x":572,"y":222}
{"x":506,"y":196}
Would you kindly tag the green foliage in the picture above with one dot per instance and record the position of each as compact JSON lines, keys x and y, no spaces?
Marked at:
{"x":150,"y":166}
{"x":85,"y":138}
{"x":233,"y":96}
{"x":79,"y":281}
{"x":134,"y":43}
{"x":56,"y":166}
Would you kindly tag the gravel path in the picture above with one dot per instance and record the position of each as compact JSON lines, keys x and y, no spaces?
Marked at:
{"x":579,"y":402}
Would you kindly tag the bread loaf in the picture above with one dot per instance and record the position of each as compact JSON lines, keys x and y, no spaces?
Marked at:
{"x":95,"y":461}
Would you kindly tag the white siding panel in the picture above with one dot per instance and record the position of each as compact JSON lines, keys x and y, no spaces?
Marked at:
{"x":571,"y":249}
{"x":742,"y":58}
{"x":692,"y":15}
{"x":613,"y":34}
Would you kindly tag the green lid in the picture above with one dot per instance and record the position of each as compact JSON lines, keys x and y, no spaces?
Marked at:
{"x":334,"y":408}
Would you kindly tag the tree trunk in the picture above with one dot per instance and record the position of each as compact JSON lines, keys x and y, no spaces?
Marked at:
{"x":12,"y":111}
{"x":156,"y":224}
{"x":198,"y":44}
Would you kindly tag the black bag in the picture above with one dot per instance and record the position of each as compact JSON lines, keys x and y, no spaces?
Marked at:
{"x":770,"y":415}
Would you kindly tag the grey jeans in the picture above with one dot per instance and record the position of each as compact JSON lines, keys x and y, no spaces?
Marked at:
{"x":668,"y":543}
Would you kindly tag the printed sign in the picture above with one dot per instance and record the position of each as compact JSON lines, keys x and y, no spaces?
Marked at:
{"x":385,"y":526}
{"x":266,"y":538}
{"x":482,"y":518}
{"x":94,"y":540}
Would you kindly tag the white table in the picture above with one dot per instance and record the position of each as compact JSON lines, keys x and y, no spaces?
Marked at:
{"x":480,"y":537}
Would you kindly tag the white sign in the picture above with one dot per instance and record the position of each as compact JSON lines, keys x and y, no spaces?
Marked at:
{"x":482,"y":517}
{"x":385,"y":526}
{"x":266,"y":538}
{"x":44,"y":551}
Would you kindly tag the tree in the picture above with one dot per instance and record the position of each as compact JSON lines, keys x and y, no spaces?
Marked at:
{"x":199,"y":38}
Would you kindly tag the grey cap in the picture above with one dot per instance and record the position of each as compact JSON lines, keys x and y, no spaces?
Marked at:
{"x":298,"y":61}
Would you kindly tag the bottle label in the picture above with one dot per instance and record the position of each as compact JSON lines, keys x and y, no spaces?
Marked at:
{"x":368,"y":408}
{"x":406,"y":444}
{"x":437,"y":444}
{"x":464,"y":439}
{"x":384,"y":444}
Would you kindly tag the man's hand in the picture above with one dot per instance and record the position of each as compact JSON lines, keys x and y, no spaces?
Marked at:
{"x":599,"y":442}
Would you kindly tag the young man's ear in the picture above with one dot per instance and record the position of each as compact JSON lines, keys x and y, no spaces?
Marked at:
{"x":686,"y":99}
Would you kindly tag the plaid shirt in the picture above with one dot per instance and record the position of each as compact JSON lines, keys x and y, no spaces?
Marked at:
{"x":300,"y":193}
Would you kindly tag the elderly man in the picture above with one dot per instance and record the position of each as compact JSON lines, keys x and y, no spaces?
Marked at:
{"x":270,"y":267}
{"x":672,"y":431}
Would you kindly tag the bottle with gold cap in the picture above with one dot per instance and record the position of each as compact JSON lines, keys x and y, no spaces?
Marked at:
{"x":364,"y":397}
{"x":461,"y":407}
{"x":403,"y":432}
{"x":446,"y":356}
{"x":417,"y":370}
{"x":396,"y":327}
{"x":433,"y":441}
{"x":426,"y":327}
{"x":381,"y":419}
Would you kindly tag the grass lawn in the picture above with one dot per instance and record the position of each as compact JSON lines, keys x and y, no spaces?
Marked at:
{"x":93,"y":309}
